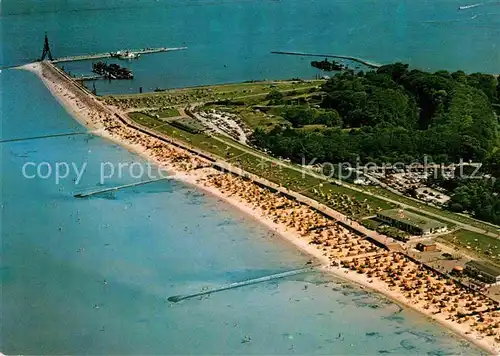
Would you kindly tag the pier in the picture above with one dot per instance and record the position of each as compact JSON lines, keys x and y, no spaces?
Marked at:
{"x":42,"y":137}
{"x":113,"y":189}
{"x":354,"y":59}
{"x":178,"y":298}
{"x":86,"y":57}
{"x":88,"y":78}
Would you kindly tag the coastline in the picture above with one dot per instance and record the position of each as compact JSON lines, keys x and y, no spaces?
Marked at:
{"x":77,"y":110}
{"x":196,"y":177}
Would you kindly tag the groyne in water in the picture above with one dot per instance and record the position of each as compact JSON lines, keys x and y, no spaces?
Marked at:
{"x":178,"y":298}
{"x":354,"y":59}
{"x":105,"y":190}
{"x":42,"y":137}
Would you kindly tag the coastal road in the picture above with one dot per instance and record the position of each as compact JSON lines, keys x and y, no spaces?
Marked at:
{"x":276,"y":161}
{"x":94,"y":102}
{"x":389,"y":242}
{"x":349,"y":186}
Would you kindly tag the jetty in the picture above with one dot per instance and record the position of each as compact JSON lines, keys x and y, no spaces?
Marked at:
{"x":113,"y":189}
{"x":351,"y":58}
{"x":42,"y":137}
{"x":178,"y":298}
{"x":88,"y":78}
{"x":86,"y":57}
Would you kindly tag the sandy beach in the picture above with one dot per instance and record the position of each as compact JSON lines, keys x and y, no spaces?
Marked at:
{"x":340,"y":251}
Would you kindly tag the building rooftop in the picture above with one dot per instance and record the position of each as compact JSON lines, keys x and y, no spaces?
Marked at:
{"x":485,"y":267}
{"x":412,"y":219}
{"x":427,"y":243}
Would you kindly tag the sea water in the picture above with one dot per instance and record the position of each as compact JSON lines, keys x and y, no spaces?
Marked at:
{"x":231,"y":40}
{"x":92,"y":276}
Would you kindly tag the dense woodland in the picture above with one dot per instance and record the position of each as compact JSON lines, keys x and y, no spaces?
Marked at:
{"x":478,"y":197}
{"x":399,"y":115}
{"x":392,"y":115}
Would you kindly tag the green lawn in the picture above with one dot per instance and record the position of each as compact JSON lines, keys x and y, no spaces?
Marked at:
{"x":245,"y":92}
{"x":352,"y":203}
{"x":312,"y":127}
{"x":371,"y":223}
{"x":145,"y":120}
{"x":252,"y":118}
{"x":188,"y":124}
{"x":165,"y":113}
{"x":254,"y":93}
{"x":484,"y":246}
{"x":422,"y":207}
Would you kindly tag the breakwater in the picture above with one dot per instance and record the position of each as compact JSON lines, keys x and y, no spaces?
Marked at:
{"x":178,"y":298}
{"x":42,"y":137}
{"x":112,"y":189}
{"x":351,"y":58}
{"x":86,"y":57}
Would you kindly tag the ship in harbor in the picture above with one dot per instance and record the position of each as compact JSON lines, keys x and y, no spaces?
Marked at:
{"x":112,"y":71}
{"x":125,"y":55}
{"x":328,"y":66}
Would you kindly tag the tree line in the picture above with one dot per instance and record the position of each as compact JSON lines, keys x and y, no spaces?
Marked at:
{"x":392,"y":114}
{"x":395,"y":114}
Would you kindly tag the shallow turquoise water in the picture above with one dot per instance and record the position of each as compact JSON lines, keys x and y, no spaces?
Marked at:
{"x":92,"y":276}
